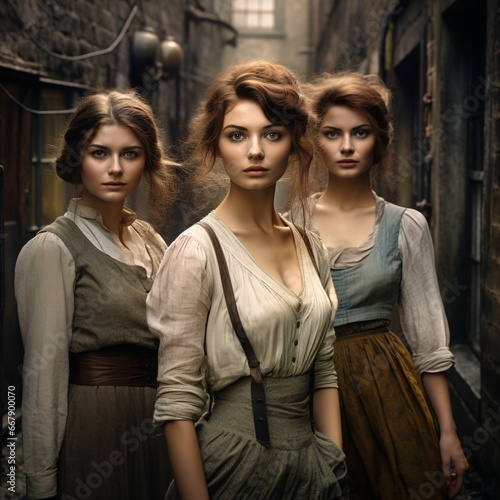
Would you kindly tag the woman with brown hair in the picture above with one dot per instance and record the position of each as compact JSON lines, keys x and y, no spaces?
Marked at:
{"x":243,"y":308}
{"x":89,"y":373}
{"x":381,"y":254}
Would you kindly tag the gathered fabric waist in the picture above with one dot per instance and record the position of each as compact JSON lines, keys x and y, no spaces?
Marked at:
{"x":361,"y":328}
{"x":120,"y":365}
{"x":287,"y":401}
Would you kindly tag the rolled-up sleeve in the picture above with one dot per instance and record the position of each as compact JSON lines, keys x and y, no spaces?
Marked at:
{"x":325,"y":375}
{"x":177,"y":310}
{"x":422,"y":315}
{"x":44,"y":289}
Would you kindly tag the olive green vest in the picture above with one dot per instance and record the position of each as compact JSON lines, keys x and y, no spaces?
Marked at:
{"x":110,"y":296}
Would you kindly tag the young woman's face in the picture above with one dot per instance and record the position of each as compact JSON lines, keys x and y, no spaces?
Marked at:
{"x":347,"y":142}
{"x":254,"y":152}
{"x":112,"y":166}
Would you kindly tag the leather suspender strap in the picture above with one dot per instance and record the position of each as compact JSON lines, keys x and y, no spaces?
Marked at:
{"x":257,"y":386}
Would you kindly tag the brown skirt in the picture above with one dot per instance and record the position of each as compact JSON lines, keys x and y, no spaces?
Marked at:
{"x":111,"y":449}
{"x":389,"y":434}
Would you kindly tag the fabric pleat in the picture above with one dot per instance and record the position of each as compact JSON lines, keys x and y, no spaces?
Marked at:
{"x":104,"y":457}
{"x":389,"y":433}
{"x":300,"y":463}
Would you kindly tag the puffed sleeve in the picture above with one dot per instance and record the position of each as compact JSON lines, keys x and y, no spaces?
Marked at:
{"x":422,"y":315}
{"x":177,"y":311}
{"x":44,"y":288}
{"x":325,"y":375}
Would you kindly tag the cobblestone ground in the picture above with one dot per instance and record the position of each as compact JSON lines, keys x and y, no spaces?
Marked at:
{"x":473,"y":490}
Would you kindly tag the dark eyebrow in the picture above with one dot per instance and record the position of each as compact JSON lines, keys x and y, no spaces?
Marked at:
{"x":239,"y":127}
{"x":106,"y":147}
{"x":354,"y":128}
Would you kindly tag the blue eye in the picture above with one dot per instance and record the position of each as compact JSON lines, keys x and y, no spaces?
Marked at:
{"x":98,"y":153}
{"x":331,"y":134}
{"x":130,"y":154}
{"x":362,"y":133}
{"x":236,"y":136}
{"x":273,"y":136}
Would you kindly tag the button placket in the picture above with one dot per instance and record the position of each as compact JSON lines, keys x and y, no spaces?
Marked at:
{"x":297,"y":326}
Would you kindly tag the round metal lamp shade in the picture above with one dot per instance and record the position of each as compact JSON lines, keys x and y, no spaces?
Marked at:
{"x":144,"y":49}
{"x":171,"y":55}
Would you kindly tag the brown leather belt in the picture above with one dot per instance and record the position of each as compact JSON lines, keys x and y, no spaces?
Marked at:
{"x":361,"y":328}
{"x":125,"y":365}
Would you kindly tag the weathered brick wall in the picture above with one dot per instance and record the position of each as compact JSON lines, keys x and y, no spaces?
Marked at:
{"x":354,"y":31}
{"x":77,"y":27}
{"x":69,"y":28}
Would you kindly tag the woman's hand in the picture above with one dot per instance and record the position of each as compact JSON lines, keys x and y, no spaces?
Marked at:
{"x":455,"y":464}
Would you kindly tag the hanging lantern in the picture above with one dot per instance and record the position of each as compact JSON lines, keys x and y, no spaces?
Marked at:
{"x":171,"y":55}
{"x":143,"y":53}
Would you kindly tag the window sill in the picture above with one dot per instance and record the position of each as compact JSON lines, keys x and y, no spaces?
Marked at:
{"x":465,"y":377}
{"x":261,"y":33}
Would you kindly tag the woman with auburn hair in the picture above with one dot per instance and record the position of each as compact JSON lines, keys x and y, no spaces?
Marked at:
{"x":243,"y":306}
{"x":381,"y":254}
{"x":90,"y":364}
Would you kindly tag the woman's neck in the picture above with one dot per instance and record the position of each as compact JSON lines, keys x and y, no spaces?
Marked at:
{"x":348,"y":194}
{"x":243,"y":210}
{"x":112,"y":220}
{"x":111,"y":214}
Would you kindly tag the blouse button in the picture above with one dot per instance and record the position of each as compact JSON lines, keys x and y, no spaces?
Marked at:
{"x":297,"y":325}
{"x":293,"y":359}
{"x":295,"y":342}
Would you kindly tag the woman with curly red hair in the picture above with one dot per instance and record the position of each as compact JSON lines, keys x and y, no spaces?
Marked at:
{"x":243,"y":306}
{"x":381,"y":254}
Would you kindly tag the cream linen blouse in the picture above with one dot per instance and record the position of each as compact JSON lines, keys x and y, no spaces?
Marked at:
{"x":423,"y":320}
{"x":198,"y":346}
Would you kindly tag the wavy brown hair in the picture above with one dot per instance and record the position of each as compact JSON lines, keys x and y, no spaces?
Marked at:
{"x":364,"y":93}
{"x":276,"y":90}
{"x":129,"y":110}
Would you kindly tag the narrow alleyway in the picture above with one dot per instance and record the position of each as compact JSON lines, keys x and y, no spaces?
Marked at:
{"x":474,"y":488}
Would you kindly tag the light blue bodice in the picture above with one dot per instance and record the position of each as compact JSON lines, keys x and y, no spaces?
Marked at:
{"x":370,"y":289}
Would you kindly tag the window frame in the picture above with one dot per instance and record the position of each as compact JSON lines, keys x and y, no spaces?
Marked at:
{"x":278,"y":31}
{"x":40,"y":163}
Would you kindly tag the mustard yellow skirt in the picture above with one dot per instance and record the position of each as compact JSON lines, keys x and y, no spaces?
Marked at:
{"x":389,"y":433}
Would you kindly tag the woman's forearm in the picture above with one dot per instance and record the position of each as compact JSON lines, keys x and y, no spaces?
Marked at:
{"x":185,"y":459}
{"x":436,"y":387}
{"x":454,"y":462}
{"x":327,"y":414}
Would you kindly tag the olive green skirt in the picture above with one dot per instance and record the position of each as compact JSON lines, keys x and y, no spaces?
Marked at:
{"x":300,"y":462}
{"x":111,"y":449}
{"x":389,"y":434}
